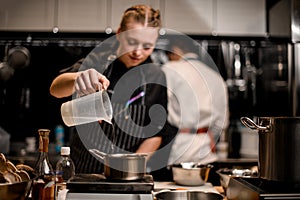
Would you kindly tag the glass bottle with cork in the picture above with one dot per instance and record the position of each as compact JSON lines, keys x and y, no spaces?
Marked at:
{"x":44,"y":185}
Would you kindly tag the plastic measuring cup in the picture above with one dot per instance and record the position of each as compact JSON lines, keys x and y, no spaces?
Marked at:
{"x":86,"y":109}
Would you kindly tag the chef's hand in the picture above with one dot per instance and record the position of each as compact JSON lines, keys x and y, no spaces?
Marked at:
{"x":90,"y":81}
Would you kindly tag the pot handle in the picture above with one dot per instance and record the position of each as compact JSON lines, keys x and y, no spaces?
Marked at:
{"x":160,"y":191}
{"x":251,"y":124}
{"x":206,"y":173}
{"x":97,"y":153}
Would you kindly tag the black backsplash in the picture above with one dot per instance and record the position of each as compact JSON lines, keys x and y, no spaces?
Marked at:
{"x":26,"y":104}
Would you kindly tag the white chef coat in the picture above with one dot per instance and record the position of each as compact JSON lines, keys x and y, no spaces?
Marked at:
{"x":197,"y":98}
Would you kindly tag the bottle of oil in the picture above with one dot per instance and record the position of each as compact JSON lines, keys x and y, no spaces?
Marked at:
{"x":44,"y":185}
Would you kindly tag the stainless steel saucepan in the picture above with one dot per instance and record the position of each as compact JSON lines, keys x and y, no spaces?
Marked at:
{"x":122,"y":166}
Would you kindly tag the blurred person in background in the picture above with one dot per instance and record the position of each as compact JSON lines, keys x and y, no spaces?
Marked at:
{"x":197,"y":103}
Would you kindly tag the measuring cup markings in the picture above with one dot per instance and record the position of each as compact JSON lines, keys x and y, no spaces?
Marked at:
{"x":89,"y":108}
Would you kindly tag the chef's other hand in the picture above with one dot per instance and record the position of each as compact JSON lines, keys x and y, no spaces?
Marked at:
{"x":90,"y":81}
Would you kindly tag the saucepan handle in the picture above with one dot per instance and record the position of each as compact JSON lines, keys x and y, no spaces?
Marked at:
{"x":98,"y":154}
{"x":251,"y":124}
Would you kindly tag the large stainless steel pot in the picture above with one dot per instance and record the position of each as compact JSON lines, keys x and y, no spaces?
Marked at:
{"x":122,"y":166}
{"x":279,"y":147}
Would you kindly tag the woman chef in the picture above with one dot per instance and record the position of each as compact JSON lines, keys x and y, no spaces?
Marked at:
{"x":123,"y":67}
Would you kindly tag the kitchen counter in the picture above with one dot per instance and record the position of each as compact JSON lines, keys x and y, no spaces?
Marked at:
{"x":207,"y":187}
{"x":158,"y":186}
{"x":213,"y":184}
{"x":165,"y":174}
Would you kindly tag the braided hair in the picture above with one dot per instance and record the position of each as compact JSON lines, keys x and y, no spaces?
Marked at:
{"x":142,"y":14}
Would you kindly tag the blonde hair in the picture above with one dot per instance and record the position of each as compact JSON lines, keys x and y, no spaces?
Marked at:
{"x":142,"y":14}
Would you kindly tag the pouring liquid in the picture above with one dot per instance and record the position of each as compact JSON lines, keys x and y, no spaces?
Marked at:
{"x":112,"y":146}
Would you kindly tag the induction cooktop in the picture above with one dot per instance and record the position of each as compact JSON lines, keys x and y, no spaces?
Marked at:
{"x":97,"y":183}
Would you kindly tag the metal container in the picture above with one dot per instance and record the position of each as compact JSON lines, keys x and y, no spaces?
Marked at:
{"x":122,"y":166}
{"x":279,"y":147}
{"x":190,"y":173}
{"x":18,"y":57}
{"x":188,"y":195}
{"x":225,"y":175}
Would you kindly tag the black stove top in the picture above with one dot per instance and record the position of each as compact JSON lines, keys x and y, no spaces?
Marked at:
{"x":97,"y":183}
{"x":257,"y":188}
